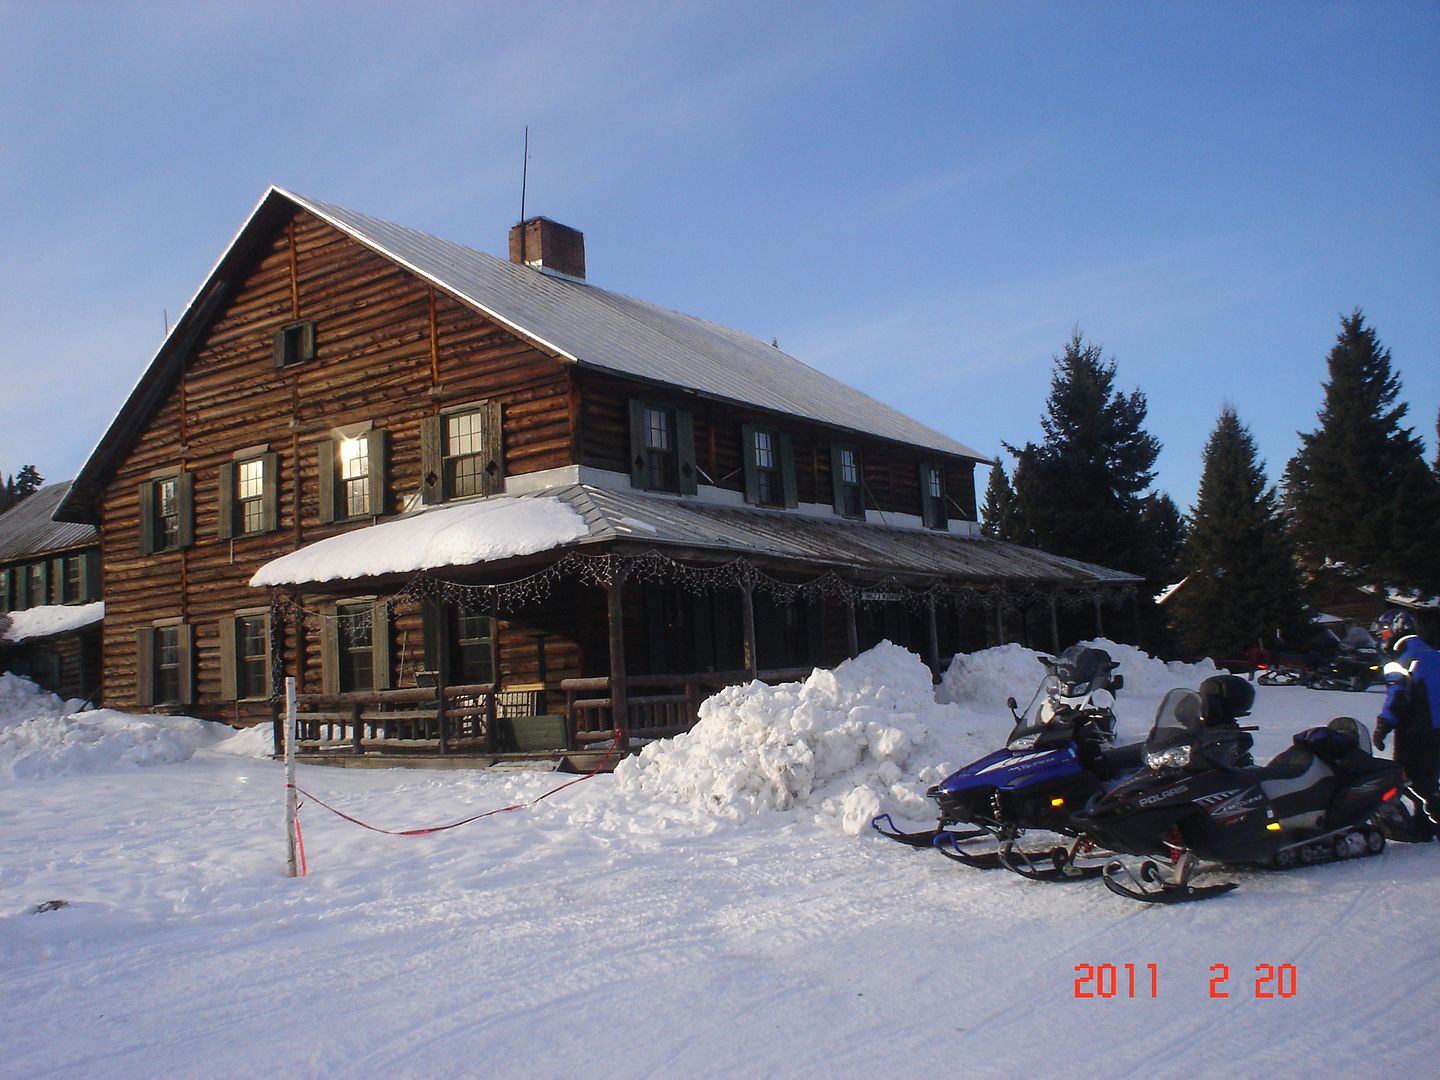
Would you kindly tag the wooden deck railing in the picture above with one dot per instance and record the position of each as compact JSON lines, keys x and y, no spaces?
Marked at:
{"x":657,"y":706}
{"x":484,"y":719}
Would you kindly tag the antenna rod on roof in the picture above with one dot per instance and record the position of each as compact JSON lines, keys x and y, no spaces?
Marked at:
{"x":524,"y":180}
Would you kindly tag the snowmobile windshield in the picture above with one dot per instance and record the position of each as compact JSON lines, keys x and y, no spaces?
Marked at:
{"x":1176,"y":732}
{"x":1040,"y":733}
{"x":1078,"y":669}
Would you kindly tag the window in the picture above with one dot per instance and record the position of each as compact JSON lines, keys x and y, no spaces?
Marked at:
{"x":848,"y":481}
{"x":932,"y":496}
{"x":249,"y":494}
{"x":461,"y":452}
{"x":167,"y":520}
{"x":355,"y":646}
{"x":769,"y":467}
{"x":294,"y":344}
{"x":352,"y":475}
{"x":37,"y":585}
{"x":163,"y":664}
{"x":662,"y":448}
{"x":72,"y":590}
{"x":245,"y":656}
{"x":465,"y":454}
{"x":472,"y":648}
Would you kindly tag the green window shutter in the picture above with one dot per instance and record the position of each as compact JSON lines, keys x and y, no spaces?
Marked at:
{"x":269,"y":658}
{"x":380,"y":644}
{"x":147,"y":518}
{"x":270,"y":492}
{"x":685,"y":450}
{"x":787,"y":470}
{"x":187,"y":664}
{"x":145,"y":666}
{"x":43,"y":567}
{"x":378,"y":451}
{"x":91,"y":576}
{"x":747,"y":457}
{"x":837,"y":474}
{"x":229,"y":683}
{"x":327,"y":467}
{"x":185,"y":500}
{"x":494,"y":449}
{"x":639,"y":473}
{"x":226,"y":528}
{"x":432,"y":624}
{"x":432,"y":464}
{"x":329,"y":653}
{"x":7,"y":589}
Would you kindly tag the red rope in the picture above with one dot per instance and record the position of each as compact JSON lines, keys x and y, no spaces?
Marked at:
{"x":464,"y":821}
{"x":299,"y":841}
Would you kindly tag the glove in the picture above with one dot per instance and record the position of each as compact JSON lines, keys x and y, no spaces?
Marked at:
{"x":1382,"y":729}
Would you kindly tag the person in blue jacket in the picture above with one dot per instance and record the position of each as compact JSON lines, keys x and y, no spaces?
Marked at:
{"x":1412,"y":708}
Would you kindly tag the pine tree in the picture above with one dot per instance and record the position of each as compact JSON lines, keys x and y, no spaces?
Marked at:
{"x":27,"y":482}
{"x":1163,"y":528}
{"x":998,"y":512}
{"x":1078,"y":493}
{"x":1243,"y":585}
{"x":1362,"y":500}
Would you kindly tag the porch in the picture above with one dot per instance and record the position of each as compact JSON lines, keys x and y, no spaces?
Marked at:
{"x":485,"y":724}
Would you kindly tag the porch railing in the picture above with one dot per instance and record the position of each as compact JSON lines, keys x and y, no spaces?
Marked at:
{"x":657,"y":706}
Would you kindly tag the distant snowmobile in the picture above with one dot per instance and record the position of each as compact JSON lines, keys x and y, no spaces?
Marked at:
{"x":1199,"y":800}
{"x":1052,"y":763}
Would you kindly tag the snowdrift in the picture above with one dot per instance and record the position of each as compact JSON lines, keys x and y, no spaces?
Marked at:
{"x":42,"y":736}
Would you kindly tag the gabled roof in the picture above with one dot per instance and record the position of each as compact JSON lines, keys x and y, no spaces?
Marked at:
{"x":608,"y":517}
{"x":574,"y":320}
{"x":27,"y":530}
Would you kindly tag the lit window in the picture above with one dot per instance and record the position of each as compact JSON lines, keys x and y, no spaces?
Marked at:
{"x":465,"y":453}
{"x":355,"y":475}
{"x":250,"y":495}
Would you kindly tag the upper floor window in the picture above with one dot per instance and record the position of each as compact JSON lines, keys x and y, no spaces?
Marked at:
{"x":166,"y":512}
{"x":932,"y":496}
{"x":461,"y":451}
{"x":769,"y":467}
{"x":847,"y":478}
{"x":352,"y":475}
{"x":294,"y":343}
{"x":249,"y":494}
{"x":37,"y":587}
{"x":662,"y":448}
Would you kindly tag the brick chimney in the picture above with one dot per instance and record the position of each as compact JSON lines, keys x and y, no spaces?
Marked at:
{"x":548,"y":245}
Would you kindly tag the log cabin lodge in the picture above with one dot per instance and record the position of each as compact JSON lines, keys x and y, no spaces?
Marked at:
{"x":480,"y":506}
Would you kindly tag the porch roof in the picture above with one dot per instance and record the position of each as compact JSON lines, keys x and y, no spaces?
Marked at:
{"x":610,"y":518}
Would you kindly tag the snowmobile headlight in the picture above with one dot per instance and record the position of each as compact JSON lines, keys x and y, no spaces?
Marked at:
{"x":1025,"y":742}
{"x":1077,"y":689}
{"x":1176,"y":757}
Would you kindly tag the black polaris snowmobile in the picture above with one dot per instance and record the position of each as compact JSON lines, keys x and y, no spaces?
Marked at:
{"x":1052,"y":763}
{"x":1200,"y":803}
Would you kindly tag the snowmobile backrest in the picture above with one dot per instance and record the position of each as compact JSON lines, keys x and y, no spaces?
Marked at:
{"x":1340,"y":746}
{"x":1226,"y":698}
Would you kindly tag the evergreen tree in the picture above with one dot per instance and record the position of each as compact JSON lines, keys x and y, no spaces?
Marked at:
{"x":1362,"y":500}
{"x":1079,"y":493}
{"x":998,"y":512}
{"x":1163,"y":528}
{"x":27,"y":482}
{"x":1243,"y":585}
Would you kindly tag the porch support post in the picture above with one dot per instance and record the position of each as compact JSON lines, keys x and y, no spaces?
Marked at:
{"x":1054,"y":626}
{"x":1099,"y":623}
{"x":933,"y":644}
{"x":852,"y":631}
{"x":747,"y":617}
{"x":999,"y":617}
{"x":619,"y":697}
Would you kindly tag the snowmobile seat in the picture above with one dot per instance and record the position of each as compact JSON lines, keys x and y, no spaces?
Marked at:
{"x":1290,"y":763}
{"x":1340,"y":744}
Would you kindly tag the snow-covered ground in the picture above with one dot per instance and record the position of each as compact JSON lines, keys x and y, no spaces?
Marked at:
{"x":717,"y":907}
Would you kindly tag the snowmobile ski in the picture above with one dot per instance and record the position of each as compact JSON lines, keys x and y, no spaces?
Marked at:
{"x":1120,"y":880}
{"x":1056,"y":864}
{"x":949,"y":844}
{"x":925,"y":838}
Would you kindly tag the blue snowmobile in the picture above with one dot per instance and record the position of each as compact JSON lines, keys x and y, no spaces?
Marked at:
{"x":1052,"y":763}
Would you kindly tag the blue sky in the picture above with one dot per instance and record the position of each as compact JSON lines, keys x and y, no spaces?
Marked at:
{"x":922,"y":199}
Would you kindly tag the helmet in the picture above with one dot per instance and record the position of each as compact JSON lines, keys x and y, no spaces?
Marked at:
{"x":1226,"y":697}
{"x":1392,"y":627}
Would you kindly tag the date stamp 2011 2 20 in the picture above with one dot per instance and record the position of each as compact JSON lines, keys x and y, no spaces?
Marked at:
{"x":1135,"y":981}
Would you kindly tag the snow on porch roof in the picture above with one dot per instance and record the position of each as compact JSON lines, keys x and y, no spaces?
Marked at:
{"x":506,"y":526}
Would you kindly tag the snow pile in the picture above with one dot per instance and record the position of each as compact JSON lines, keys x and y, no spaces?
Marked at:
{"x":496,"y":528}
{"x":867,"y":737}
{"x":51,"y":619}
{"x":42,"y":736}
{"x":845,"y":743}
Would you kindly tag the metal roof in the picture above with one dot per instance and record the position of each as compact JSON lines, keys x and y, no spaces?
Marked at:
{"x":27,"y":530}
{"x":598,"y":328}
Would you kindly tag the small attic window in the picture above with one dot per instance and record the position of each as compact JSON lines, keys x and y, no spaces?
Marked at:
{"x":294,"y":344}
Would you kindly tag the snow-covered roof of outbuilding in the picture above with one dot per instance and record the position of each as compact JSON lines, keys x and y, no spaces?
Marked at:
{"x":49,"y":620}
{"x":582,"y":515}
{"x":27,"y":529}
